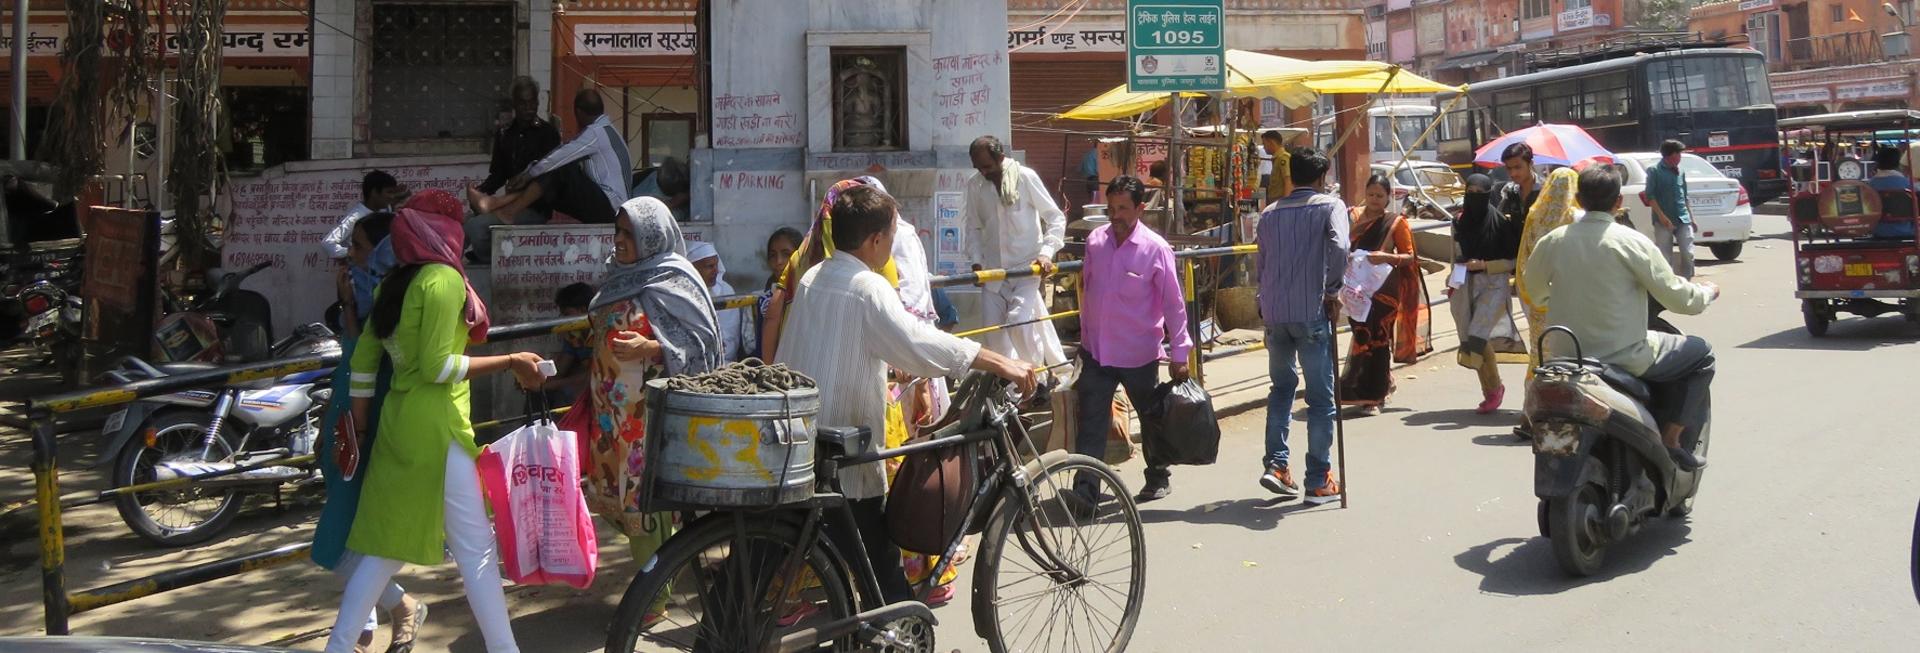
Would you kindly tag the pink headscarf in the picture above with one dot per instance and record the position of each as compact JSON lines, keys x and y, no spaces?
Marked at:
{"x":428,"y":230}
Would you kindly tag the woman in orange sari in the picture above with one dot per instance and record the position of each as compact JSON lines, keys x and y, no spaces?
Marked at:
{"x":1395,"y":326}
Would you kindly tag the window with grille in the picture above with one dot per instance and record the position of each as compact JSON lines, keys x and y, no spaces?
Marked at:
{"x":1559,"y":102}
{"x":1607,"y":97}
{"x":439,"y":70}
{"x":1535,"y":8}
{"x":1839,"y":13}
{"x":1512,"y":110}
{"x":1707,"y":84}
{"x":870,"y":99}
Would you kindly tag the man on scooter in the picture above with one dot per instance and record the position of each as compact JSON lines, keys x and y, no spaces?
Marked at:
{"x":1594,"y":276}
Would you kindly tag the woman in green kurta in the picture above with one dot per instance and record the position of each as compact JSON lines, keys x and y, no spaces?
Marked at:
{"x":421,"y":495}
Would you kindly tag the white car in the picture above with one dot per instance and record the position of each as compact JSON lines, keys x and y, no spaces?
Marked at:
{"x":1425,"y":184}
{"x":1722,"y":214}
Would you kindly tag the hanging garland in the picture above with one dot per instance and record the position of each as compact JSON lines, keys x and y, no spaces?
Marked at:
{"x":76,"y":136}
{"x":191,"y":173}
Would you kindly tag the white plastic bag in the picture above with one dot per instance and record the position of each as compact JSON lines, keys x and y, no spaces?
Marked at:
{"x":1362,"y":281}
{"x":532,"y":480}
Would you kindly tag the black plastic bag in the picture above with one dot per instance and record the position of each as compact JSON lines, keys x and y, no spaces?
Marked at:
{"x":1178,"y":426}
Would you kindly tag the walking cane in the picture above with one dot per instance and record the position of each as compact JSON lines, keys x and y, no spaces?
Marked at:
{"x":1339,"y":416}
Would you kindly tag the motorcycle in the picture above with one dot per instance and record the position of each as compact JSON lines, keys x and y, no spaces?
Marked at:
{"x":225,"y":325}
{"x":1601,"y":471}
{"x":37,"y":283}
{"x":40,"y":305}
{"x":52,"y":315}
{"x":196,"y":432}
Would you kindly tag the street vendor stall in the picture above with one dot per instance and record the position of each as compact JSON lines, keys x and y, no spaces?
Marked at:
{"x":1213,"y":188}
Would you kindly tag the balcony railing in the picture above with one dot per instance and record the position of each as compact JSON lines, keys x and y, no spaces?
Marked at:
{"x":1848,"y":49}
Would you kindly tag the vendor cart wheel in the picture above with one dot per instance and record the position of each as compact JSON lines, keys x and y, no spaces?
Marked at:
{"x":1815,"y":313}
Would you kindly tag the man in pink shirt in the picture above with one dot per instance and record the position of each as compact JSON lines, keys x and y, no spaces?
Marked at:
{"x":1130,"y":307}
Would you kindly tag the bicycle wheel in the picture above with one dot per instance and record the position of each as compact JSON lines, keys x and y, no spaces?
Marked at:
{"x":1058,"y":572}
{"x":714,"y":588}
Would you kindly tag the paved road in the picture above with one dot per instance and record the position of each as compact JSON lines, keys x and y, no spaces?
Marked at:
{"x":1800,"y":541}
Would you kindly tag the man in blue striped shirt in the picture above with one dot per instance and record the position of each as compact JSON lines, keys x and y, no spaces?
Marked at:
{"x":1302,"y":259}
{"x":587,"y":178}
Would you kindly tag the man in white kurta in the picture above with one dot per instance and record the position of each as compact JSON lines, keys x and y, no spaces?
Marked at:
{"x":845,"y":327}
{"x":1013,"y":223}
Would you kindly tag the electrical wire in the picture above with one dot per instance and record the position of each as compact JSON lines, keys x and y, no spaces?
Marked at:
{"x":1056,"y":13}
{"x":1056,"y":28}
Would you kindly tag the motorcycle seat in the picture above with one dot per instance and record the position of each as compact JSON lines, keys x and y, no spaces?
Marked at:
{"x":1627,"y":383}
{"x":171,"y":369}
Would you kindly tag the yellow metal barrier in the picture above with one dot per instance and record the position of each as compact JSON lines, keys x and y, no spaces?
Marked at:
{"x":60,"y":605}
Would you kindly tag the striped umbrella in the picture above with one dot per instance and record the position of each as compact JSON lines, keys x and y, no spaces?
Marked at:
{"x":1562,"y":145}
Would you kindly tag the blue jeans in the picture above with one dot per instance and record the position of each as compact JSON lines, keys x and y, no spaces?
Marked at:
{"x":1310,"y":343}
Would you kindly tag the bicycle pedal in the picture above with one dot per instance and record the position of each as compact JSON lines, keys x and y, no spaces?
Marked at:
{"x":871,"y":635}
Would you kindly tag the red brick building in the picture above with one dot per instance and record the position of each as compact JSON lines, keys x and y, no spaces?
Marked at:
{"x":1824,"y":55}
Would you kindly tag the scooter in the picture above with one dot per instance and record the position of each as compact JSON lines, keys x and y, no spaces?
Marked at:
{"x":225,"y":325}
{"x":1600,"y":468}
{"x":198,"y":432}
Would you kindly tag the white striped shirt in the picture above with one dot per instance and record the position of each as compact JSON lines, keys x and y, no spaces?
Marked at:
{"x":603,"y":161}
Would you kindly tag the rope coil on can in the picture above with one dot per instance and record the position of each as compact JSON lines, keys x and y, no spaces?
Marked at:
{"x":749,"y":377}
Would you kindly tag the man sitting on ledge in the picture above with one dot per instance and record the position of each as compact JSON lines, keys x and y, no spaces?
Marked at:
{"x":586,"y":178}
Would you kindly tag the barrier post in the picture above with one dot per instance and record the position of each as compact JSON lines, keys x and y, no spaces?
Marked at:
{"x":1194,"y":358}
{"x":53,"y":554}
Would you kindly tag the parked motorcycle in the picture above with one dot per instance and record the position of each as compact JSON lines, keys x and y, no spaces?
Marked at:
{"x":40,"y":305}
{"x":197,"y":432}
{"x":51,"y":315}
{"x":224,"y":325}
{"x":1600,"y":469}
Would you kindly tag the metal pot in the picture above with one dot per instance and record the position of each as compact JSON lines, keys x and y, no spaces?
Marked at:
{"x":730,"y":450}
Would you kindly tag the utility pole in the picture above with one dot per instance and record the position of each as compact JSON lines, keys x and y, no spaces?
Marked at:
{"x":19,"y":140}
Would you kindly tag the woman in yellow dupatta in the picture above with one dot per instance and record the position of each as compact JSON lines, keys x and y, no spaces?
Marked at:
{"x":817,"y":246}
{"x":1554,"y":209}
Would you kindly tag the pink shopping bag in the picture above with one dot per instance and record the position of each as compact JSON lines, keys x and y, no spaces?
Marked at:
{"x":532,"y":480}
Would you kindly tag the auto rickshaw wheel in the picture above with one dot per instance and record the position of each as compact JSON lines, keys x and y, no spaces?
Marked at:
{"x":1817,"y":316}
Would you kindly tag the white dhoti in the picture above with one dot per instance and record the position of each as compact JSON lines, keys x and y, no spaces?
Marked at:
{"x":1019,"y":300}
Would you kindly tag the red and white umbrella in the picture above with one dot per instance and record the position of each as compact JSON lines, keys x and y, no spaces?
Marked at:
{"x":1552,"y":145}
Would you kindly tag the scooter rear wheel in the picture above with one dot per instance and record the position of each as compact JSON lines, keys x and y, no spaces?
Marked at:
{"x":1576,"y":524}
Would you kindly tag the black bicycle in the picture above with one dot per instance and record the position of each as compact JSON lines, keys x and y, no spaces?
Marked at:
{"x":1058,"y":569}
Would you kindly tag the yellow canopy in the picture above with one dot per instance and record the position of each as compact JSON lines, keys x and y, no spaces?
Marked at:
{"x":1294,"y":82}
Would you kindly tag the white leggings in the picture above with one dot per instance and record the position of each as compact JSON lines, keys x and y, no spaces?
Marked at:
{"x":389,"y":597}
{"x":469,"y":537}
